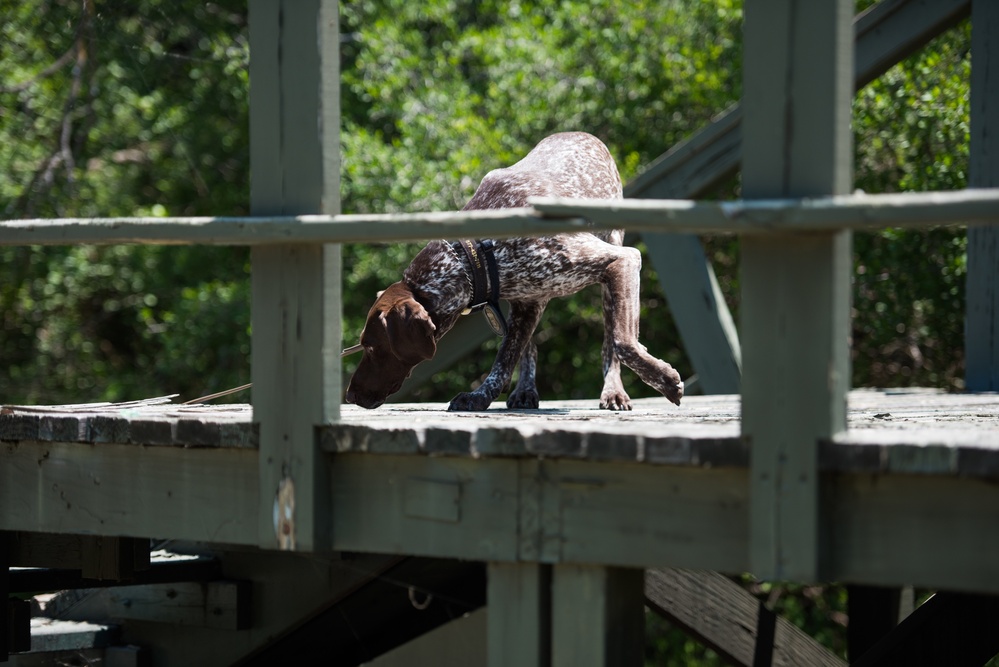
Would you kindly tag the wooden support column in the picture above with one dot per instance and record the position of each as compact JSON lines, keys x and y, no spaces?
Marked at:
{"x":953,"y":629}
{"x":294,"y":152}
{"x":873,"y":612}
{"x":730,"y":620}
{"x":519,"y":614}
{"x":598,"y":616}
{"x":982,"y":324}
{"x":5,"y":616}
{"x":15,"y":614}
{"x":113,"y":558}
{"x":795,"y":287}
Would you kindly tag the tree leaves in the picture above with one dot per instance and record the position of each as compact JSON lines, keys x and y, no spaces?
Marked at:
{"x":141,"y":109}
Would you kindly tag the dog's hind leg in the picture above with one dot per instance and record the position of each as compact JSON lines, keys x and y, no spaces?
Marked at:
{"x":613,"y":396}
{"x":621,"y":280}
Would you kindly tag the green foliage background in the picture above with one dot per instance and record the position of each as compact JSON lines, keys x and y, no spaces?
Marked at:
{"x":140,"y":108}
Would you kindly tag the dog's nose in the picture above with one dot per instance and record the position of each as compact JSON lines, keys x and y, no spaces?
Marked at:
{"x":362,"y":400}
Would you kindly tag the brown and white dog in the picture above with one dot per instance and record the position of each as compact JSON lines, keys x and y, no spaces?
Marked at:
{"x":410,"y":317}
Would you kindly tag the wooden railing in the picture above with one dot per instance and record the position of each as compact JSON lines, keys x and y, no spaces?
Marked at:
{"x":545,"y":216}
{"x":799,"y":205}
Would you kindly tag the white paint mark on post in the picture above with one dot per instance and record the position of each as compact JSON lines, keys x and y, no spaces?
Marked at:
{"x":284,"y":514}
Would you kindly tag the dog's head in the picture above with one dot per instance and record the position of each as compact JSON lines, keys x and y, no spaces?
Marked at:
{"x":397,"y":335}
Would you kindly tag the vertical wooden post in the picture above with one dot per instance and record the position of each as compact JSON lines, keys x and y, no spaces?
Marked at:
{"x":598,"y":616}
{"x":873,"y":612}
{"x":6,"y":622}
{"x":797,"y":96}
{"x":982,"y":323}
{"x":519,"y":614}
{"x":294,"y":152}
{"x":114,"y":558}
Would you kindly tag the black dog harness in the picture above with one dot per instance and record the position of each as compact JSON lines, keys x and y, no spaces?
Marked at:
{"x":481,"y":258}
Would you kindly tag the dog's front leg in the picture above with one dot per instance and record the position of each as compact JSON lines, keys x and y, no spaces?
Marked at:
{"x":525,"y":396}
{"x":524,"y":317}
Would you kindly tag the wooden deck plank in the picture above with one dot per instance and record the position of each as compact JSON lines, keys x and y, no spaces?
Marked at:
{"x":915,"y":473}
{"x":904,"y":431}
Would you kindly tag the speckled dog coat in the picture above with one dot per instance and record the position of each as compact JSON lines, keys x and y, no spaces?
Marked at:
{"x":410,"y":317}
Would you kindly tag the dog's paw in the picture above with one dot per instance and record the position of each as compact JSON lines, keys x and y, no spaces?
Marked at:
{"x":671,"y":386}
{"x":674,"y":393}
{"x":523,"y":400}
{"x":469,"y":401}
{"x":615,"y":400}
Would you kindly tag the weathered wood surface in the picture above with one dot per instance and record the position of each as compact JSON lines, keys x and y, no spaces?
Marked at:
{"x":548,"y":216}
{"x":763,"y":216}
{"x":295,"y":288}
{"x":981,"y":336}
{"x":281,"y":229}
{"x":597,"y":616}
{"x":217,"y":604}
{"x":733,"y":622}
{"x":901,"y":431}
{"x":519,"y":620}
{"x":928,"y":519}
{"x":154,"y":422}
{"x":51,"y":635}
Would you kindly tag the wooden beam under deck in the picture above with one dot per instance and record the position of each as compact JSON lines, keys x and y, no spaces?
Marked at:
{"x":908,"y":494}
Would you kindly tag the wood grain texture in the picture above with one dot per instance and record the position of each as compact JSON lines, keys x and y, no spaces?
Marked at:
{"x":197,"y":494}
{"x":155,"y":425}
{"x":896,"y":431}
{"x":519,"y":619}
{"x":268,"y":227}
{"x":294,"y":152}
{"x":880,"y":523}
{"x":899,"y":529}
{"x":795,"y":288}
{"x":724,"y":616}
{"x":776,"y":212}
{"x":548,"y":511}
{"x":547,"y":216}
{"x":217,"y":604}
{"x":982,"y":282}
{"x":597,"y":616}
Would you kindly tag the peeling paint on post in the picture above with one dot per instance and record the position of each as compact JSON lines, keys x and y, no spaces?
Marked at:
{"x":294,"y":152}
{"x":284,"y":514}
{"x":795,"y":287}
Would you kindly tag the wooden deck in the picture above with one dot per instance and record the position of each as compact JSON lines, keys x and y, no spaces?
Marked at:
{"x":658,"y":486}
{"x":901,"y":431}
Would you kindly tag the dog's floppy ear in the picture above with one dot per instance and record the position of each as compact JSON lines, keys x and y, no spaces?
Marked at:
{"x":410,"y":331}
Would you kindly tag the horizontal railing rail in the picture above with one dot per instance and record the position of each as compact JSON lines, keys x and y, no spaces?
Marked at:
{"x":546,"y":216}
